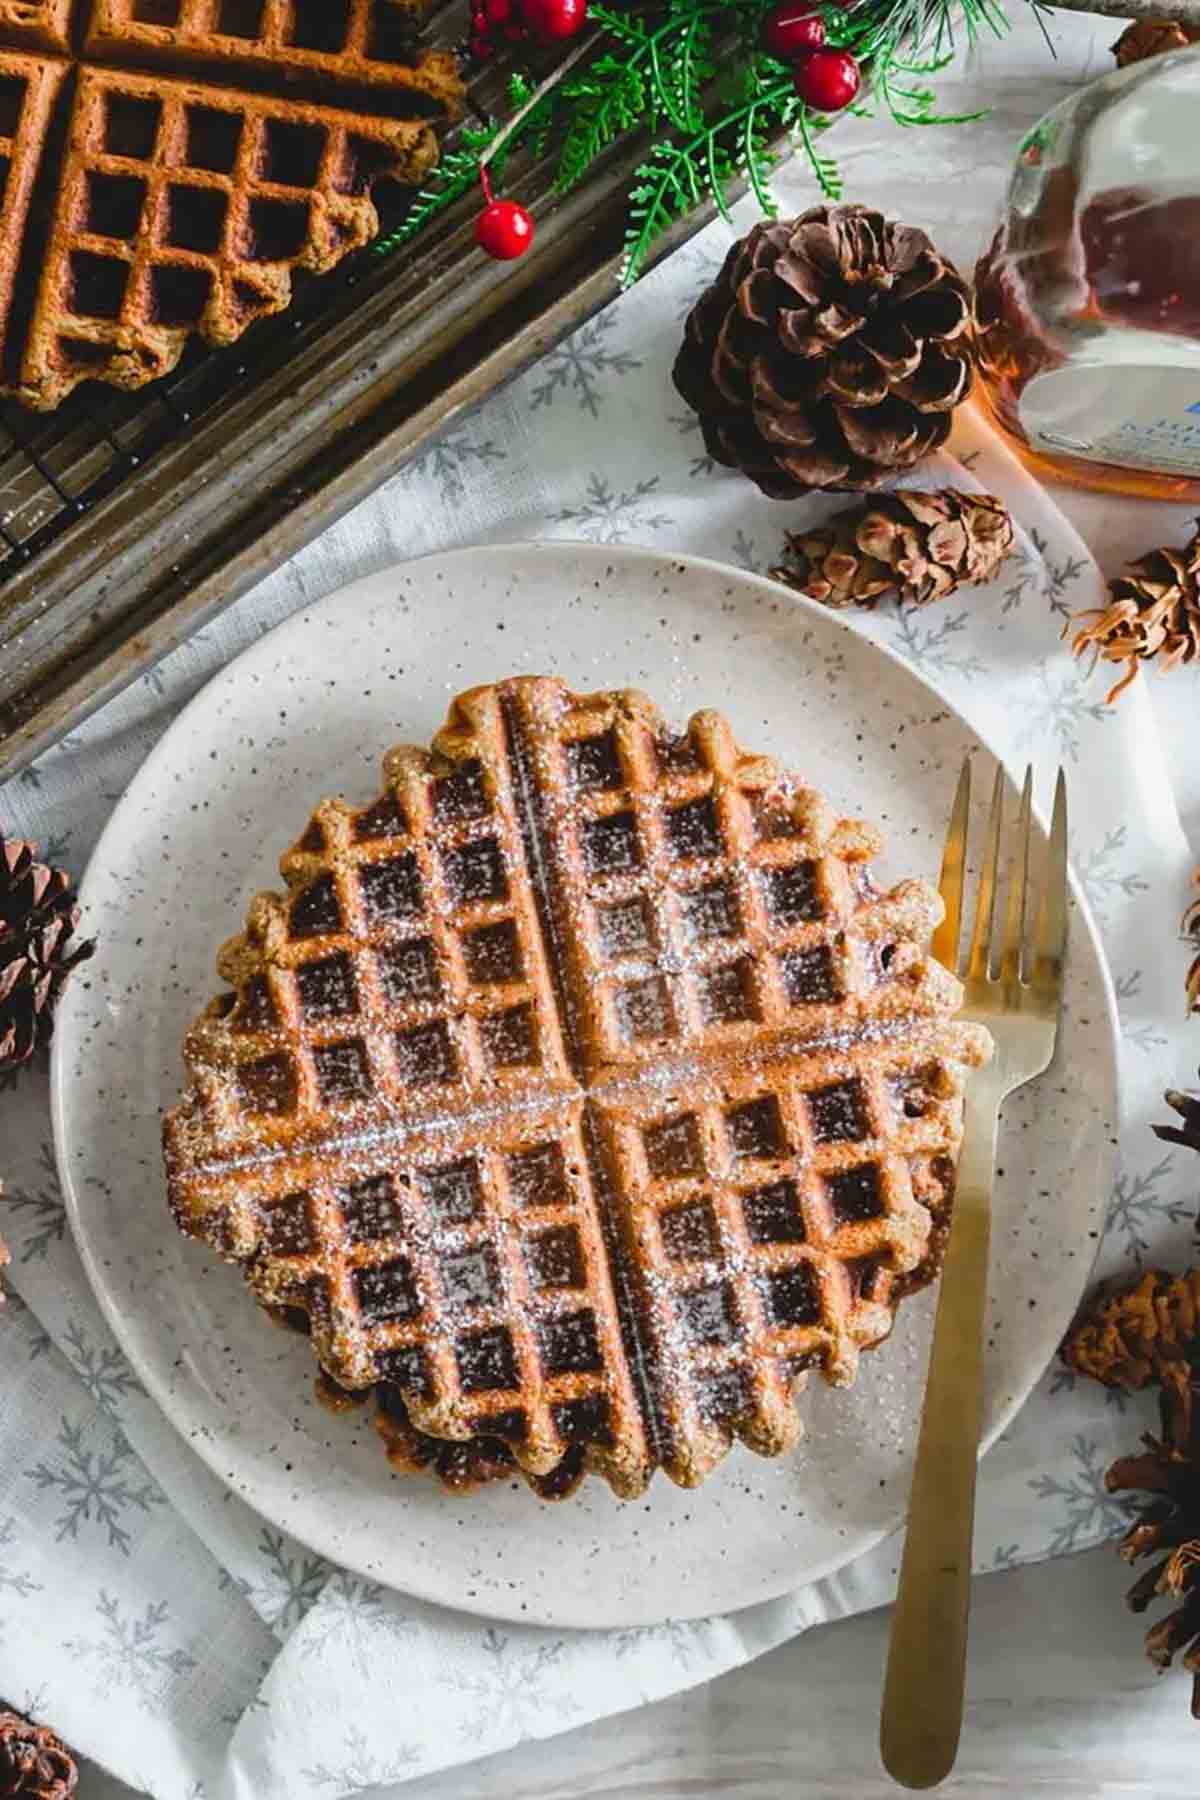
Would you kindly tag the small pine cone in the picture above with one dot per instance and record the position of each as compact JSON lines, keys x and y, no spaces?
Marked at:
{"x":1127,"y":1339}
{"x":1150,"y":1334}
{"x":38,"y":916}
{"x":830,"y":352}
{"x":1167,"y":1472}
{"x":1152,"y":37}
{"x":34,"y":1763}
{"x":922,"y":545}
{"x":1188,"y":1108}
{"x":1191,"y":926}
{"x":1153,"y":613}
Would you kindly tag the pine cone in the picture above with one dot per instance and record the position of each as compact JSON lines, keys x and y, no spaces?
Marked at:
{"x":1137,"y":1337}
{"x":1168,"y":1471}
{"x":1188,"y":1108}
{"x":923,"y":545}
{"x":34,"y":1763}
{"x":1191,"y":926}
{"x":1154,"y":611}
{"x":38,"y":916}
{"x":1152,"y":37}
{"x":1150,"y":1335}
{"x":829,"y":352}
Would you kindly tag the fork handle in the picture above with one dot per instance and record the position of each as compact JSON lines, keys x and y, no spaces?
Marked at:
{"x":923,"y":1689}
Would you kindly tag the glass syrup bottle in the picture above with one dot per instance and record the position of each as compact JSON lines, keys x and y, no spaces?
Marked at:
{"x":1088,"y":300}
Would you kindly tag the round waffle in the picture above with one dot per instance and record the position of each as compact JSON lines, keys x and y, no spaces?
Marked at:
{"x":581,"y":1093}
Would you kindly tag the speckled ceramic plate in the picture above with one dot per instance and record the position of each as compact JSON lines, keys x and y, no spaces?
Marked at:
{"x":308,"y":711}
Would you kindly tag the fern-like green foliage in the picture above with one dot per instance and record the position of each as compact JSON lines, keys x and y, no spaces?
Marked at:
{"x":611,"y":98}
{"x":457,"y":172}
{"x":692,"y":75}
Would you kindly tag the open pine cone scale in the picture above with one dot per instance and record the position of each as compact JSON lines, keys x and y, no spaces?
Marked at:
{"x":1188,"y":1132}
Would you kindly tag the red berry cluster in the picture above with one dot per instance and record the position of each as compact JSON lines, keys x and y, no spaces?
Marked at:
{"x":492,"y":20}
{"x":504,"y":229}
{"x":495,"y":22}
{"x":824,"y":79}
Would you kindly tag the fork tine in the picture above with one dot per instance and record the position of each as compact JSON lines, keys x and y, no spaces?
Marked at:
{"x":1014,"y":925}
{"x":985,"y":905}
{"x":954,"y":873}
{"x":1050,"y":935}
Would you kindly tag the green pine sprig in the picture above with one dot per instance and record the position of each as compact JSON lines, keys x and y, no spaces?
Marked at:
{"x":457,"y":172}
{"x":693,"y":74}
{"x":685,"y":172}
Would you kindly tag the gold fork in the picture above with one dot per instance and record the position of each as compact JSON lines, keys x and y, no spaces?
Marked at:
{"x":1013,"y":983}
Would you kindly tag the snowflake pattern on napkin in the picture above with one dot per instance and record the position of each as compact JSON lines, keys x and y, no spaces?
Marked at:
{"x":203,"y":1655}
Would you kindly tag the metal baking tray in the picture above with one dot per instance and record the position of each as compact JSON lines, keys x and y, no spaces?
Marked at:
{"x":126,"y":521}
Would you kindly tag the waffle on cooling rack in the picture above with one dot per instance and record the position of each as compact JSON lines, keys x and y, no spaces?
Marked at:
{"x":338,"y":46}
{"x":171,"y":167}
{"x":29,"y":88}
{"x":581,"y":1093}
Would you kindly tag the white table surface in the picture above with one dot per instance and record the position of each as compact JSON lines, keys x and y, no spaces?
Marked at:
{"x":1061,"y":1701}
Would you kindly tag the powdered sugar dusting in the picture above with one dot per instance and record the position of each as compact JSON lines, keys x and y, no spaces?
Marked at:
{"x":613,"y":885}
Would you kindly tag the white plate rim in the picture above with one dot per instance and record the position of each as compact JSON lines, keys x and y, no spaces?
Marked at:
{"x":209,"y":1449}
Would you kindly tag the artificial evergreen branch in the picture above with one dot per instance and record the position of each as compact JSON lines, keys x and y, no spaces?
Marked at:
{"x":693,"y":74}
{"x":678,"y":176}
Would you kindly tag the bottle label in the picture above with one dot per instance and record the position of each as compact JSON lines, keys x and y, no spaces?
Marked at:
{"x":1137,"y":417}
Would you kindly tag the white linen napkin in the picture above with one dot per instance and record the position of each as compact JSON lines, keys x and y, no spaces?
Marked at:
{"x":161,"y":1625}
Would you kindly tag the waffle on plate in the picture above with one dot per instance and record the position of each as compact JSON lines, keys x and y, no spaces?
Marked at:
{"x":170,"y":166}
{"x":580,"y":1094}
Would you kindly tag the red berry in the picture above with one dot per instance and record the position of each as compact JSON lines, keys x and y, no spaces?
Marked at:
{"x":790,"y":31}
{"x":827,"y":80}
{"x":551,"y":20}
{"x":498,"y":12}
{"x":504,"y":230}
